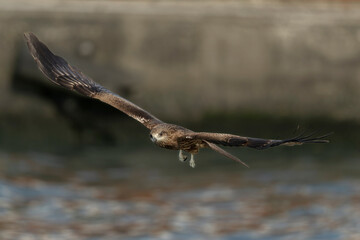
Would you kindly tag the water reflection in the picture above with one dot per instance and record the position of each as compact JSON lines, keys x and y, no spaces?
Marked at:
{"x":309,"y":201}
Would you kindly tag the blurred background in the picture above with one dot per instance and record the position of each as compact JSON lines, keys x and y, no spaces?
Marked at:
{"x":74,"y":168}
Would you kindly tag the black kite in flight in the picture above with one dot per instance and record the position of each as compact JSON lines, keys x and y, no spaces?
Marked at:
{"x":163,"y":134}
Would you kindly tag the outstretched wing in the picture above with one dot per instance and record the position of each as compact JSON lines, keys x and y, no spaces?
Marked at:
{"x":258,"y":143}
{"x":61,"y":73}
{"x":211,"y":139}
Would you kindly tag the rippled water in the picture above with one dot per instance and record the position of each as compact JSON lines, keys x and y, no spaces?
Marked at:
{"x":44,"y":196}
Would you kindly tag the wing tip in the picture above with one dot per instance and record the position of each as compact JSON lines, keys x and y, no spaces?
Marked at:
{"x":310,"y":138}
{"x":29,"y":35}
{"x":30,"y":39}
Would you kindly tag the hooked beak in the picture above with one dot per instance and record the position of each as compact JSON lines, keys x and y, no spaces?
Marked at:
{"x":152,"y":138}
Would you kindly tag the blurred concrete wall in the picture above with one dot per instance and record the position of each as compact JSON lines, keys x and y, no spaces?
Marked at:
{"x":183,"y":59}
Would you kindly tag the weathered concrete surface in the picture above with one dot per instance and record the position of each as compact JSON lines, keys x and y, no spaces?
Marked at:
{"x":183,"y":59}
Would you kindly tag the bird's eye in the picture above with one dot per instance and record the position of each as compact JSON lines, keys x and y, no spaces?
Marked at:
{"x":160,"y":134}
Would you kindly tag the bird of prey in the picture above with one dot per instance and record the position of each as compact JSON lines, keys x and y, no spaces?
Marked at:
{"x":163,"y":134}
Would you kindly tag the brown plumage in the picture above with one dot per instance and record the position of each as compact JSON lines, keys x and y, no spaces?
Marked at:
{"x":164,"y":135}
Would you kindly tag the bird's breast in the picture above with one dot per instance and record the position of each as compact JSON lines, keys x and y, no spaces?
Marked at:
{"x":168,"y":143}
{"x":191,"y":145}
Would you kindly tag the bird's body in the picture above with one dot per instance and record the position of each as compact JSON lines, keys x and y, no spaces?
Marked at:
{"x":170,"y":136}
{"x":163,"y":134}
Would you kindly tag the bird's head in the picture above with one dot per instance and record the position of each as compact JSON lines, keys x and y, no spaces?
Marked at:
{"x":159,"y":135}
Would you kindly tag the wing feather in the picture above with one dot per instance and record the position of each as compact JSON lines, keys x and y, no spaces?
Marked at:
{"x":61,"y":73}
{"x":258,"y":143}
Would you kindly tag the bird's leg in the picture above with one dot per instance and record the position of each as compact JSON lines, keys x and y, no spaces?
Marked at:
{"x":192,"y":161}
{"x":182,"y":156}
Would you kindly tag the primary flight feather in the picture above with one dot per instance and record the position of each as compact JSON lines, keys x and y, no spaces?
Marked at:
{"x":163,"y":134}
